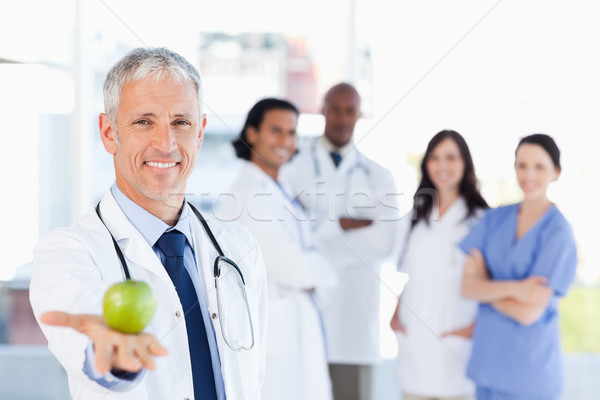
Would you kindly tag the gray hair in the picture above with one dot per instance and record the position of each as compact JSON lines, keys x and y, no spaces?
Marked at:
{"x":142,"y":63}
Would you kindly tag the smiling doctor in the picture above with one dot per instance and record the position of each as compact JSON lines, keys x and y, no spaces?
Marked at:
{"x":297,"y":269}
{"x":153,"y":127}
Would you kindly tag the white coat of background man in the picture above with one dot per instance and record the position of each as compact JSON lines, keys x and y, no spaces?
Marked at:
{"x":297,"y":270}
{"x":153,"y":127}
{"x":351,"y":202}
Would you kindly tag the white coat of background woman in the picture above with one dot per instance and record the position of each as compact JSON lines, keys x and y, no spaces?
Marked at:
{"x":432,"y":321}
{"x":296,"y":363}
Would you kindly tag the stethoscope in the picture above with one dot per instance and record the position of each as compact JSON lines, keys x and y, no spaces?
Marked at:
{"x":221,"y":258}
{"x":360,"y":164}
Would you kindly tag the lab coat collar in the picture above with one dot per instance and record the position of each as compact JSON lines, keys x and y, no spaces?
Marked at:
{"x":149,"y":226}
{"x":329,"y":147}
{"x":134,"y":246}
{"x":453,"y":215}
{"x":349,"y":153}
{"x":252,"y":173}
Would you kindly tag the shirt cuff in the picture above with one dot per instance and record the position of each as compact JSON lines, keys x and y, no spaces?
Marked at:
{"x":115,"y":380}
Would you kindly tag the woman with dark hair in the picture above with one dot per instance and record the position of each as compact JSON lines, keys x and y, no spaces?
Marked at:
{"x":522,"y":258}
{"x":433,"y":322}
{"x":296,"y":363}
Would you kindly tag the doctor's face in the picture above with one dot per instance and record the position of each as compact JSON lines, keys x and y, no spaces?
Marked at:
{"x":154,"y":146}
{"x":535,"y":170}
{"x":274,"y":142}
{"x":445,"y":166}
{"x":341,"y":111}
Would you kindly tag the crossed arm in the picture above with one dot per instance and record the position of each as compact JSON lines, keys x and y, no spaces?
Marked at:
{"x":522,"y":300}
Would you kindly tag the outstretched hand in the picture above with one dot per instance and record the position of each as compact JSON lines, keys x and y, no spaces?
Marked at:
{"x":114,"y":350}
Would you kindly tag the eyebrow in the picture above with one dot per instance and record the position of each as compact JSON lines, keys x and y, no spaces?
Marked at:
{"x":178,"y":115}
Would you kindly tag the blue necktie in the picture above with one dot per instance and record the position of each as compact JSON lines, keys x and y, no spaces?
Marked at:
{"x":172,"y":244}
{"x":336,"y":157}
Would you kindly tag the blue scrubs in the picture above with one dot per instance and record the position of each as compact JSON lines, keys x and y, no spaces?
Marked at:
{"x":507,"y":357}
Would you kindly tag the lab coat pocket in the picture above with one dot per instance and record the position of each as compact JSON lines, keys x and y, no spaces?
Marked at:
{"x":282,"y":328}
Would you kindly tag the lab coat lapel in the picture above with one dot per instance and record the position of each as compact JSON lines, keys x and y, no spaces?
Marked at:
{"x":329,"y":170}
{"x":206,"y":253}
{"x":264,"y":184}
{"x":138,"y":253}
{"x":205,"y":257}
{"x":348,"y":161}
{"x":325,"y":163}
{"x":455,"y":214}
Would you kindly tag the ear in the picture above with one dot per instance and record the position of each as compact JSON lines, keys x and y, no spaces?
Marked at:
{"x":251,"y":135}
{"x":201,"y":131}
{"x":556,"y":173}
{"x":107,"y":133}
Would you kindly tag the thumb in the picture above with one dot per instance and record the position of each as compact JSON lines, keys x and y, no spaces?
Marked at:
{"x":56,"y":318}
{"x":542,"y":280}
{"x":474,"y":252}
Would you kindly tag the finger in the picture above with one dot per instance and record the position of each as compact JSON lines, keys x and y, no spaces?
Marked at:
{"x":85,"y":323}
{"x":146,"y":348}
{"x":542,"y":280}
{"x":153,"y":346}
{"x":58,"y":318}
{"x":104,"y":351}
{"x":143,"y":354}
{"x":126,"y":357}
{"x":475,"y":253}
{"x":547,"y":293}
{"x":470,"y":263}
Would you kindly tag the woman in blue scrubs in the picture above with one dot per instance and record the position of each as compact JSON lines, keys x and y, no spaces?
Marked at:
{"x":522,"y":258}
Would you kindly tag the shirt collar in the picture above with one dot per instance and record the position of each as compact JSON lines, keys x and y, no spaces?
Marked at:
{"x":344,"y":150}
{"x":147,"y":224}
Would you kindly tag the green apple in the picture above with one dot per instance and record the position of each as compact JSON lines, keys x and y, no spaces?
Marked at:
{"x":129,"y":306}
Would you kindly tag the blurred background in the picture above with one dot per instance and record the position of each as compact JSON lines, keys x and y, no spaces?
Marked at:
{"x":492,"y":70}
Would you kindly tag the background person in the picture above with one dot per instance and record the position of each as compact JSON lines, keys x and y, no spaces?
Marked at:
{"x":153,"y":127}
{"x":296,"y":363}
{"x":522,"y":258}
{"x":432,"y":321}
{"x":352,"y":205}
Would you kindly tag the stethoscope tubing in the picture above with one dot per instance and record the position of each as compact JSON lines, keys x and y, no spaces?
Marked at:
{"x":216,"y":271}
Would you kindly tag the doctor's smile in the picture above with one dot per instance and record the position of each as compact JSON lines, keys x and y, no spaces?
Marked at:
{"x":160,"y":165}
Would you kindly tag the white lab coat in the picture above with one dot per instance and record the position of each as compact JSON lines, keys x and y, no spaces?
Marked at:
{"x":351,"y":309}
{"x":431,"y":305}
{"x":74,"y":266}
{"x":296,"y":364}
